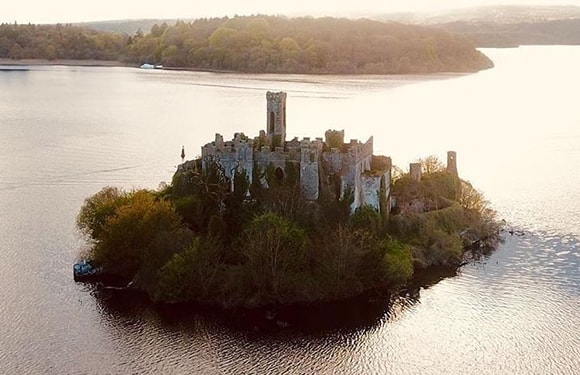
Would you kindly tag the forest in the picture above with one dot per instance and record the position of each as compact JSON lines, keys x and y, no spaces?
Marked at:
{"x":59,"y":42}
{"x":257,"y":44}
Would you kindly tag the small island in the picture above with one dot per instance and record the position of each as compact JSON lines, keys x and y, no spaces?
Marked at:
{"x":268,"y":221}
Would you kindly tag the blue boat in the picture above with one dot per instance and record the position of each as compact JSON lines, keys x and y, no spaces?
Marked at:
{"x":85,"y":270}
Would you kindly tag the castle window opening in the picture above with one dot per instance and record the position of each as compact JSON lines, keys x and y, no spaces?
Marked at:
{"x":279,"y":174}
{"x":272,"y":120}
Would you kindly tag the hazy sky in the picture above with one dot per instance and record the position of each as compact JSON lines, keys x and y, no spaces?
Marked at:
{"x":51,"y":11}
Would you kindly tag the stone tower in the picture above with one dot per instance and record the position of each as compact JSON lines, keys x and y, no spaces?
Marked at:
{"x":276,"y":120}
{"x":452,"y":163}
{"x":415,"y":171}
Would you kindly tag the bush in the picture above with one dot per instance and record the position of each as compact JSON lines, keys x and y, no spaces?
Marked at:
{"x":434,"y":235}
{"x":172,"y":279}
{"x":397,"y":262}
{"x":367,"y":218}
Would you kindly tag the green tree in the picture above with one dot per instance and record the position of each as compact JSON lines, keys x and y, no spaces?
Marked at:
{"x":125,"y":228}
{"x":274,"y":249}
{"x":98,"y":208}
{"x":223,"y":38}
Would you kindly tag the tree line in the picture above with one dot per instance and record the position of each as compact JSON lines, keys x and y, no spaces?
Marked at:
{"x":257,"y":44}
{"x":56,"y":42}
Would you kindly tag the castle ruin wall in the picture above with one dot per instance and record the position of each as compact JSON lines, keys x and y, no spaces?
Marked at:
{"x":371,"y":191}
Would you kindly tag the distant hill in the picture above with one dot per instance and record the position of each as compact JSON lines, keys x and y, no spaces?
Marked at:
{"x":504,"y":26}
{"x":509,"y":14}
{"x":555,"y":32}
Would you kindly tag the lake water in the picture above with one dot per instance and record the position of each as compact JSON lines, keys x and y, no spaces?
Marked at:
{"x":65,"y":132}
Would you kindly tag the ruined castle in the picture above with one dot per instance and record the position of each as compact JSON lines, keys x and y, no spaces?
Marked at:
{"x":340,"y":168}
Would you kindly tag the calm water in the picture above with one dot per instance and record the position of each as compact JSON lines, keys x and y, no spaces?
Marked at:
{"x":66,"y":132}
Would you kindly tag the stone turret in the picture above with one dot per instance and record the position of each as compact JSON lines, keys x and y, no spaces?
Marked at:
{"x":452,"y":163}
{"x":276,"y":120}
{"x":334,"y":138}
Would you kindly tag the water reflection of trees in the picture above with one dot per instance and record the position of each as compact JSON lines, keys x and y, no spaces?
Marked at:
{"x":356,"y":315}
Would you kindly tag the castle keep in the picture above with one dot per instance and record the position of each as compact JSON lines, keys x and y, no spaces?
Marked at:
{"x":329,"y":164}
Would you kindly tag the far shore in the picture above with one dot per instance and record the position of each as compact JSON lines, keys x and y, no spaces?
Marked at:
{"x":104,"y":63}
{"x":40,"y":62}
{"x":114,"y":63}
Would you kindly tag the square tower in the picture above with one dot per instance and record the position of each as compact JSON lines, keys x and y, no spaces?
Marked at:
{"x":276,"y":120}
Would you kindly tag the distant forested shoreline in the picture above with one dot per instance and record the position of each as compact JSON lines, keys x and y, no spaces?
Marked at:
{"x":494,"y":35}
{"x":256,"y":44}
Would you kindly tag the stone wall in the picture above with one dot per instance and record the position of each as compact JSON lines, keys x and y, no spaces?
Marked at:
{"x":415,"y":171}
{"x":361,"y":161}
{"x":233,"y":155}
{"x":371,"y":191}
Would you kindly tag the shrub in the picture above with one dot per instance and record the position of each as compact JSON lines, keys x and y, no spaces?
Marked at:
{"x":366,"y":217}
{"x":434,"y":235}
{"x":397,"y":262}
{"x":172,"y":279}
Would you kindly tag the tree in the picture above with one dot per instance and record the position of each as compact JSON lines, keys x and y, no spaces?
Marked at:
{"x":431,"y":164}
{"x":125,"y":228}
{"x":258,"y":28}
{"x":16,"y":52}
{"x":289,"y":48}
{"x":274,"y":249}
{"x":471,"y":199}
{"x":98,"y":208}
{"x":222,"y":38}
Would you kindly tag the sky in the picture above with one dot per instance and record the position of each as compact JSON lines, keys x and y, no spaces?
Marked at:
{"x":64,"y":11}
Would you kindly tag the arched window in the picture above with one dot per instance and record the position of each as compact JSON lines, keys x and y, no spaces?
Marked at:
{"x":279,"y":173}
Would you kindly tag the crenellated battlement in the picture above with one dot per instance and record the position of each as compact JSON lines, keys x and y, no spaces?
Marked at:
{"x":239,"y":142}
{"x":360,"y":150}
